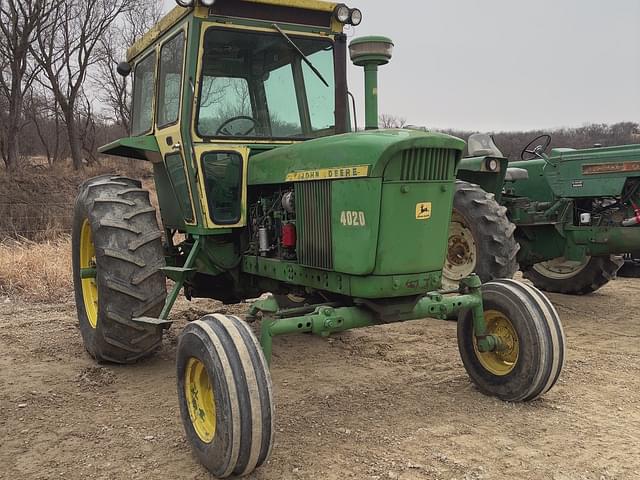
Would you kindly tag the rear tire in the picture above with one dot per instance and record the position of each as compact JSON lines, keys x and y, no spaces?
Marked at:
{"x":115,"y":215}
{"x":231,"y":426}
{"x":631,"y":267}
{"x":563,"y":277}
{"x":530,"y":328}
{"x":481,"y":238}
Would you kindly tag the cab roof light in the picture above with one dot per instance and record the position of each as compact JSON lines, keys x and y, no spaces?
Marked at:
{"x":346,"y":15}
{"x":191,"y":3}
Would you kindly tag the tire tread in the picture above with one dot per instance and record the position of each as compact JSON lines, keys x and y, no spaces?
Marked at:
{"x":249,"y":391}
{"x":129,"y":280}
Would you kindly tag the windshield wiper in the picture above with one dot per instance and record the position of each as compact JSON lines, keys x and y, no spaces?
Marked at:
{"x":301,"y":53}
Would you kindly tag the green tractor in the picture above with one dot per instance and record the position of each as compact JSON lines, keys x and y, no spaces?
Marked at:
{"x":572,"y":214}
{"x":241,"y":107}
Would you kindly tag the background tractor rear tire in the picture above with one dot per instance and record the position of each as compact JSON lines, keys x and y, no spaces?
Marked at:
{"x":530,"y":328}
{"x":560,"y":276}
{"x":481,"y":238}
{"x":225,"y":395}
{"x":631,"y":267}
{"x":115,"y":225}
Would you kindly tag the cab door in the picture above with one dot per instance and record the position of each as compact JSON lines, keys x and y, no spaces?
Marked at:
{"x":171,"y":65}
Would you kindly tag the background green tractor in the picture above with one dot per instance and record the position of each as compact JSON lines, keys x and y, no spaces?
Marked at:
{"x":574,"y":212}
{"x":242,"y":109}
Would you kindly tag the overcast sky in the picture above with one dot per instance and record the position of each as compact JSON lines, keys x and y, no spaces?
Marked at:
{"x":505,"y":64}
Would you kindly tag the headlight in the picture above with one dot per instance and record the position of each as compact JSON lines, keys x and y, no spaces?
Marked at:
{"x":492,"y":164}
{"x":342,"y":13}
{"x":356,"y":17}
{"x":208,"y":3}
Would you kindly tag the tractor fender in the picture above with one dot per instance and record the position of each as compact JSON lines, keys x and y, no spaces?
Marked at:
{"x":478,"y":171}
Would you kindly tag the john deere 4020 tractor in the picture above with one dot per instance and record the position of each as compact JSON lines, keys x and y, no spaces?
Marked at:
{"x":565,"y":217}
{"x":241,"y":106}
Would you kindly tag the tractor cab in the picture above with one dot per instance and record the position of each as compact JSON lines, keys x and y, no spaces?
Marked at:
{"x":215,"y":84}
{"x":240,"y":72}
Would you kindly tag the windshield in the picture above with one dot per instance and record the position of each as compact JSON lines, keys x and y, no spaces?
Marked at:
{"x":257,"y":85}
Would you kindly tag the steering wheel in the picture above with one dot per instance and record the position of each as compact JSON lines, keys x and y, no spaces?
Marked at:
{"x":538,"y":150}
{"x":222,"y":129}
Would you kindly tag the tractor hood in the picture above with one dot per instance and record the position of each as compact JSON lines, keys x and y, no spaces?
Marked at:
{"x":361,"y":154}
{"x":586,"y":173}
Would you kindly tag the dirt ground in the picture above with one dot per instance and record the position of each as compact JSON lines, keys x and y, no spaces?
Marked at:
{"x":389,"y":402}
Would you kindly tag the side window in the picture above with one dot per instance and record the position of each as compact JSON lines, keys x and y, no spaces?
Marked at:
{"x":175,"y":170}
{"x":284,"y":114}
{"x":143,"y":91}
{"x":171,"y":61}
{"x":223,"y":183}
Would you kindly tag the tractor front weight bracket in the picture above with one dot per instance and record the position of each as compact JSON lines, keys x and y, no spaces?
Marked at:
{"x":326,"y":319}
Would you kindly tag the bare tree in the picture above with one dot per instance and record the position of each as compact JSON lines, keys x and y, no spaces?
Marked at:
{"x":19,"y":20}
{"x":88,"y":127}
{"x":46,"y":119}
{"x":4,"y":108}
{"x":115,"y":89}
{"x":391,"y":121}
{"x":67,"y":46}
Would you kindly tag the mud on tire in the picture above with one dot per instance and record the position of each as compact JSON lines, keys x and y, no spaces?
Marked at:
{"x":128,"y":254}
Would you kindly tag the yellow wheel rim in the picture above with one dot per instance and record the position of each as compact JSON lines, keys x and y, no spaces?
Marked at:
{"x":89,"y":285}
{"x":500,"y":362}
{"x":201,"y":403}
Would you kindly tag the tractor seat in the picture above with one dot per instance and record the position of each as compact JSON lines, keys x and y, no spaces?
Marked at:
{"x":514,"y":174}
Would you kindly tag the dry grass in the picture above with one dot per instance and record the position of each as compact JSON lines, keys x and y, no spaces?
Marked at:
{"x":38,"y":272}
{"x":36,"y":208}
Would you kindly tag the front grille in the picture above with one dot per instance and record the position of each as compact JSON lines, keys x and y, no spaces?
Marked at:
{"x":427,"y":164}
{"x":313,"y":224}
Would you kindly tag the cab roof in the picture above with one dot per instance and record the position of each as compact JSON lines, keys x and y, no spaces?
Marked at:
{"x":178,"y":13}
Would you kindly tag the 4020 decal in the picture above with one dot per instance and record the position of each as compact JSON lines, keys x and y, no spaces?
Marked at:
{"x":350,"y":218}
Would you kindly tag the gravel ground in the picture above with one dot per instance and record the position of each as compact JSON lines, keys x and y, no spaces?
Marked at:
{"x":390,"y":402}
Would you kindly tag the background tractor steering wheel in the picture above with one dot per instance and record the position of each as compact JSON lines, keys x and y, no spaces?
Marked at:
{"x":539,"y":149}
{"x":222,"y":129}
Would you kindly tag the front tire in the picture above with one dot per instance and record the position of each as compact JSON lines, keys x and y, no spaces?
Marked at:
{"x":225,"y":395}
{"x":534,"y":340}
{"x":116,"y":237}
{"x":573,"y":278}
{"x":481,"y":238}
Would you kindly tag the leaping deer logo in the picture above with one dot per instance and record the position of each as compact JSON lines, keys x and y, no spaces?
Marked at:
{"x":423,"y":211}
